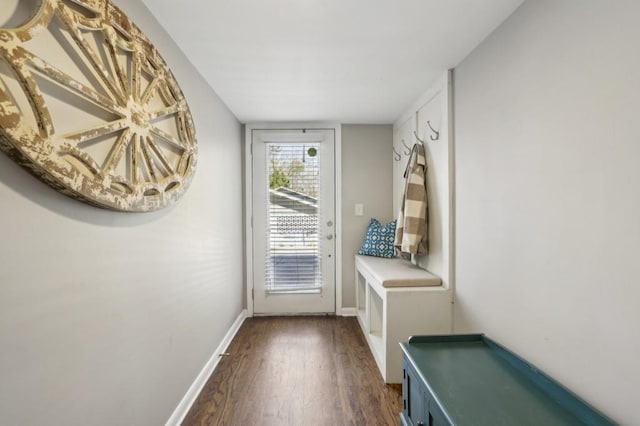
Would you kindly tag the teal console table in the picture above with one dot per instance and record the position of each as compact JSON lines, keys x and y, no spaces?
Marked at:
{"x":471,"y":380}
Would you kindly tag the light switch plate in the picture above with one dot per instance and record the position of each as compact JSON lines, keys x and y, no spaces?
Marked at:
{"x":359,"y":210}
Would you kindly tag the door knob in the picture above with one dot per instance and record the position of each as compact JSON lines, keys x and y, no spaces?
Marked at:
{"x":330,"y":237}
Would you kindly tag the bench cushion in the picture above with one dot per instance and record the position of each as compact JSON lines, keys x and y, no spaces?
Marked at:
{"x":398,"y":272}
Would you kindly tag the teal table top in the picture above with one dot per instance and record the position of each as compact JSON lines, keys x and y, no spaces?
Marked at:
{"x":478,"y":382}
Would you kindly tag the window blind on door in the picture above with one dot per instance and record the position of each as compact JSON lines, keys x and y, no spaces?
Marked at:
{"x":293,"y":252}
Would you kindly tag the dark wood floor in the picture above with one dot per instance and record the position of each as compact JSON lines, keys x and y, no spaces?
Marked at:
{"x":297,"y":371}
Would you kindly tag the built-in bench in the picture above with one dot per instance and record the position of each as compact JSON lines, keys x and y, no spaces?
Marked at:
{"x":395,"y":299}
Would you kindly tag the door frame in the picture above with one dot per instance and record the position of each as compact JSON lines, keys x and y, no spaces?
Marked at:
{"x":248,"y":201}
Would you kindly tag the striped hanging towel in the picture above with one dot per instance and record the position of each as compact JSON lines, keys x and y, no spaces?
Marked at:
{"x":411,"y":229}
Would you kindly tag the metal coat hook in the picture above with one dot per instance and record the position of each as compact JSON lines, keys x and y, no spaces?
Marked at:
{"x":417,"y":137}
{"x":434,"y":131}
{"x":396,"y":155}
{"x":408,"y":150}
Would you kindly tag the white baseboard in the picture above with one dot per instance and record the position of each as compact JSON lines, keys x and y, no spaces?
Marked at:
{"x":196,"y":387}
{"x":349,"y":312}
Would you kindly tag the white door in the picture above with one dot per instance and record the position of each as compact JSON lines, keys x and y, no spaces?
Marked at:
{"x":293,"y":221}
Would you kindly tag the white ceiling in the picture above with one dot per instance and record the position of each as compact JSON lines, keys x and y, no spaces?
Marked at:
{"x":352,"y":61}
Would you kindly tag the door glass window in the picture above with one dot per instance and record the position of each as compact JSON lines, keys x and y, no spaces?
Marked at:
{"x":293,"y":217}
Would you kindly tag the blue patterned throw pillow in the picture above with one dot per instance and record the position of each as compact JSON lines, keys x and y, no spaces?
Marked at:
{"x":379,"y":239}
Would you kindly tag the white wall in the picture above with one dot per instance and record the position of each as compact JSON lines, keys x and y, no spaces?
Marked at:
{"x":107,"y":318}
{"x":367,"y":163}
{"x":548,"y":194}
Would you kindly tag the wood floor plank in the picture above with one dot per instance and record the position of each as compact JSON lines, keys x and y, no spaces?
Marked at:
{"x":296,"y":371}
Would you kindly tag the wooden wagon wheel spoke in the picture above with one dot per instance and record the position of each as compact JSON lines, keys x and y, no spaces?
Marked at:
{"x":149,"y":91}
{"x":68,"y":82}
{"x":96,"y":132}
{"x":87,"y":50}
{"x":165,"y":112}
{"x":163,"y":160}
{"x":148,"y":162}
{"x":134,"y":90}
{"x":168,"y":138}
{"x":135,"y":148}
{"x":116,"y":153}
{"x":122,"y":77}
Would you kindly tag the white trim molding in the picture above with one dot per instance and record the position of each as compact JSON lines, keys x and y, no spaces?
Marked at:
{"x":349,"y":312}
{"x":178,"y":415}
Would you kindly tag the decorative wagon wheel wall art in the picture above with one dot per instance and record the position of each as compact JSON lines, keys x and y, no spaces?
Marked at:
{"x":88,"y":105}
